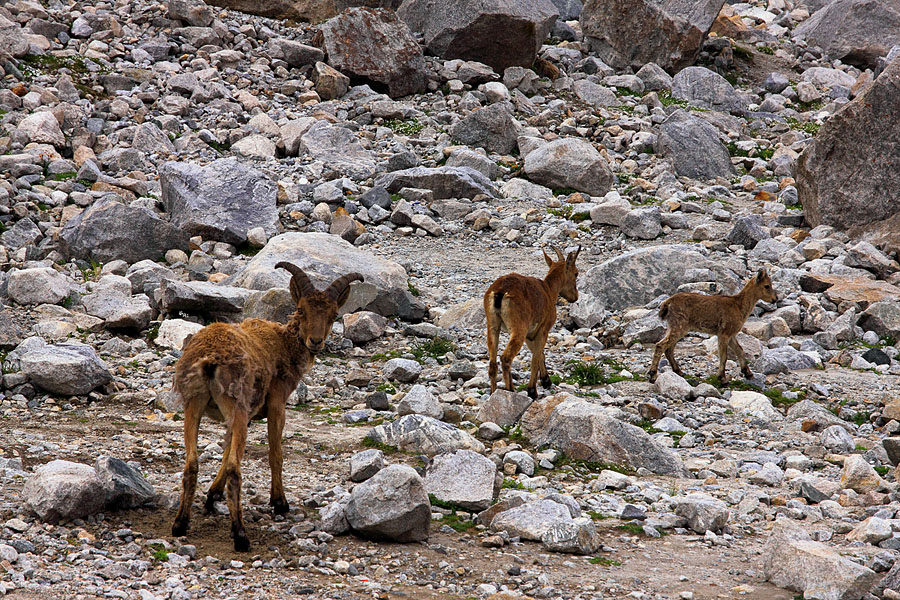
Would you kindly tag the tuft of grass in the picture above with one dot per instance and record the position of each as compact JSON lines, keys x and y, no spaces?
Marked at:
{"x":766,"y":50}
{"x":435,"y":348}
{"x":435,"y":501}
{"x":589,"y":466}
{"x":512,"y":484}
{"x":810,"y":127}
{"x":882,"y":470}
{"x":153,"y":332}
{"x":595,"y":516}
{"x":407,"y":127}
{"x":862,"y":417}
{"x":515,"y":434}
{"x":457,"y":523}
{"x":413,"y":289}
{"x":159,"y":554}
{"x":564,"y":212}
{"x":63,"y":176}
{"x":762,"y":153}
{"x":603,"y":561}
{"x":386,"y":448}
{"x":92,"y":272}
{"x":665,"y":96}
{"x":219,"y":146}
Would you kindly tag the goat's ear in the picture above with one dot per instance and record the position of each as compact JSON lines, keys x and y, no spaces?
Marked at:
{"x":547,"y":258}
{"x":761,"y":275}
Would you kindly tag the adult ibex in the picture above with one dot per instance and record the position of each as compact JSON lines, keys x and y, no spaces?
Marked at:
{"x":723,"y":316}
{"x":235,"y":373}
{"x":526,"y":307}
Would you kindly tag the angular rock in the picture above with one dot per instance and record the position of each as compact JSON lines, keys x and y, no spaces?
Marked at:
{"x":119,"y":311}
{"x":531,"y":521}
{"x":192,"y":12}
{"x":295,"y":53}
{"x":578,"y":536}
{"x":844,"y":177}
{"x":499,"y":33}
{"x":569,"y":163}
{"x":221,"y":201}
{"x":64,"y":490}
{"x":703,"y":513}
{"x":883,"y":318}
{"x":420,"y":401}
{"x":313,"y":11}
{"x":642,"y":223}
{"x":109,"y":230}
{"x":41,"y":285}
{"x":594,"y":94}
{"x":755,"y":404}
{"x":149,"y":139}
{"x":784,"y":359}
{"x":871,"y":531}
{"x":330,"y":83}
{"x":632,"y":33}
{"x":375,"y":46}
{"x":200,"y":297}
{"x":856,"y":32}
{"x":402,"y":370}
{"x":41,"y":128}
{"x":364,"y":326}
{"x":67,"y":369}
{"x":693,"y":146}
{"x":444,"y":182}
{"x":748,"y":232}
{"x":706,"y":89}
{"x":174,"y":333}
{"x":503,"y":408}
{"x":837,"y":440}
{"x":463,"y":478}
{"x":584,"y":431}
{"x":674,"y":386}
{"x":391,"y":505}
{"x":365,"y":464}
{"x":858,"y":475}
{"x":124,"y":486}
{"x":324,"y":258}
{"x":794,"y":561}
{"x":333,"y":518}
{"x":339,"y":149}
{"x":23,"y":233}
{"x":491,"y":128}
{"x":418,"y":433}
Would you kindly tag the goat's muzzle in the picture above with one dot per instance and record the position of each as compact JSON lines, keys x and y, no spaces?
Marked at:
{"x":315,"y":345}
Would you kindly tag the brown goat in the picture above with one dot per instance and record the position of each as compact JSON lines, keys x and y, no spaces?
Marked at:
{"x":234,"y":373}
{"x":526,"y":308}
{"x":723,"y":316}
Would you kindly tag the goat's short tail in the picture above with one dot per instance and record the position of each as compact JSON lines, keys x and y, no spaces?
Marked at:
{"x":498,"y":300}
{"x":664,"y":310}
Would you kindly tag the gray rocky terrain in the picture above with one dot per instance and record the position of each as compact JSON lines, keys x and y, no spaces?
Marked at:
{"x":158,"y":159}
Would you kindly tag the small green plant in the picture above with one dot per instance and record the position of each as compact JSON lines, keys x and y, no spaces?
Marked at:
{"x":386,"y":387}
{"x":407,"y":127}
{"x":454,"y":521}
{"x":810,"y":127}
{"x":882,"y":470}
{"x":515,"y":434}
{"x":595,"y":516}
{"x":153,"y":332}
{"x":862,"y":417}
{"x":413,"y":289}
{"x":219,"y":146}
{"x":512,"y":484}
{"x":386,"y":448}
{"x":588,"y":466}
{"x":159,"y":553}
{"x":63,"y":176}
{"x":605,"y":562}
{"x":665,"y":96}
{"x":435,"y":348}
{"x":766,"y":50}
{"x":248,"y":250}
{"x":564,"y":212}
{"x":632,"y":528}
{"x":91,"y":272}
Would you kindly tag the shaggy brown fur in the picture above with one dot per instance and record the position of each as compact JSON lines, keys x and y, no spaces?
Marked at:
{"x":526,"y":307}
{"x":234,"y":373}
{"x":723,"y":316}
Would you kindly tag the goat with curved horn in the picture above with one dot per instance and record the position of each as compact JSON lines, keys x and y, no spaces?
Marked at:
{"x":235,"y":373}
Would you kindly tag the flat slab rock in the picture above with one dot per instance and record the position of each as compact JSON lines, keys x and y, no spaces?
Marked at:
{"x":418,"y":433}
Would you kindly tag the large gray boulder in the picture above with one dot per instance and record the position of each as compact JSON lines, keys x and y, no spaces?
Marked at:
{"x":202,"y":297}
{"x":124,"y":486}
{"x":313,"y":11}
{"x":426,"y":435}
{"x":375,"y":46}
{"x":109,"y":230}
{"x":67,"y":369}
{"x":12,"y":39}
{"x":693,"y":146}
{"x":569,"y":163}
{"x":41,"y":128}
{"x":23,"y":233}
{"x":463,"y":478}
{"x":491,"y":128}
{"x":420,"y":401}
{"x":444,"y":182}
{"x":503,"y":408}
{"x":39,"y":285}
{"x":339,"y":149}
{"x":221,"y":201}
{"x":883,"y":318}
{"x":585,"y":431}
{"x":702,"y":87}
{"x":632,"y":33}
{"x":847,"y":177}
{"x":796,"y":562}
{"x":703,"y":513}
{"x":499,"y":33}
{"x":324,"y":258}
{"x":64,"y":490}
{"x":531,"y":521}
{"x":855,"y":32}
{"x":119,"y":311}
{"x":633,"y":279}
{"x":391,"y":505}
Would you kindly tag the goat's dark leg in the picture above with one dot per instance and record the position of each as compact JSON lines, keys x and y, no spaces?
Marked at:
{"x":538,"y":368}
{"x":493,"y":341}
{"x":192,"y":414}
{"x":670,"y":356}
{"x":516,"y":340}
{"x":240,"y":420}
{"x":724,"y":340}
{"x":666,"y":346}
{"x":742,"y":359}
{"x":275,"y":418}
{"x":216,"y":491}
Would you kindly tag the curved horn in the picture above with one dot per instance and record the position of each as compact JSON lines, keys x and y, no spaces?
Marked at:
{"x":340,"y":285}
{"x":297,"y":275}
{"x":559,"y":255}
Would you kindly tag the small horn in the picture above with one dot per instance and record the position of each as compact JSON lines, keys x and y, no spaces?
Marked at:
{"x":298,"y":277}
{"x":559,"y":254}
{"x":340,"y":285}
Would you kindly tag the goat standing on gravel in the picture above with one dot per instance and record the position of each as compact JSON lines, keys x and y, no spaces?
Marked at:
{"x":723,"y":316}
{"x":526,"y":307}
{"x":235,"y":373}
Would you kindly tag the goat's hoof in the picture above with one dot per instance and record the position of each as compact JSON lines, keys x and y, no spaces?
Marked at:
{"x":748,"y":374}
{"x":280,"y":507}
{"x":651,"y":376}
{"x":546,"y":383}
{"x":241,"y":543}
{"x":210,"y":505}
{"x":179,"y":528}
{"x":532,"y":393}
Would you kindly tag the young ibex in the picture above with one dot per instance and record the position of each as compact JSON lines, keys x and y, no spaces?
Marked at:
{"x":526,"y":307}
{"x":235,"y":373}
{"x":723,"y":316}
